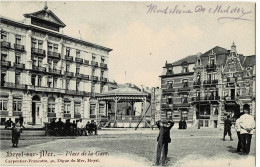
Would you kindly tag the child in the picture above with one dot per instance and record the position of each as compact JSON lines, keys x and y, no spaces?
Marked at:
{"x":15,"y":134}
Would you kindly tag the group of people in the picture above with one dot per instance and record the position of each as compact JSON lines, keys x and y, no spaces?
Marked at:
{"x":16,"y":129}
{"x":75,"y":128}
{"x":245,"y":124}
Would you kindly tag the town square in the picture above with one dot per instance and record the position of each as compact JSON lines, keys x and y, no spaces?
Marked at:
{"x":128,"y":83}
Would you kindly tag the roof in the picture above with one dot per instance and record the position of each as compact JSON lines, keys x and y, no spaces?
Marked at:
{"x":218,"y":50}
{"x":190,"y":59}
{"x":46,"y":15}
{"x":125,"y":91}
{"x":249,"y":61}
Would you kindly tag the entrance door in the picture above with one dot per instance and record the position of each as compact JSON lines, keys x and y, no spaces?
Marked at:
{"x":215,"y":124}
{"x":232,"y":94}
{"x":33,"y":112}
{"x":36,"y":116}
{"x":37,"y":113}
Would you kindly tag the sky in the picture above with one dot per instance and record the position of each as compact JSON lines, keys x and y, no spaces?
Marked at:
{"x":142,"y":41}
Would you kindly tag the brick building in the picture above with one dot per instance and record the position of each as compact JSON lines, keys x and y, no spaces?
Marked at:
{"x":206,"y":87}
{"x":47,"y":74}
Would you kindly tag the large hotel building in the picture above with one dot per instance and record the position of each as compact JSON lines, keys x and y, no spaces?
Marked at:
{"x":46,"y":74}
{"x":204,"y":88}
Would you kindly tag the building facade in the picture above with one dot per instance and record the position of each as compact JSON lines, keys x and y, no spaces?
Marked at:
{"x":204,"y":88}
{"x":46,"y":74}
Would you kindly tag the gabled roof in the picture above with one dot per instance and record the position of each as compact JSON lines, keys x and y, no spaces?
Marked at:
{"x":217,"y":50}
{"x":46,"y":15}
{"x":249,"y":61}
{"x":125,"y":91}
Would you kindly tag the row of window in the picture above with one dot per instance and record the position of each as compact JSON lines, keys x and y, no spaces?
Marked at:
{"x":17,"y":105}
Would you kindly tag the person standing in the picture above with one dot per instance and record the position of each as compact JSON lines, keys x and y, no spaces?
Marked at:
{"x":79,"y":127}
{"x":88,"y":128}
{"x":180,"y":124}
{"x":16,"y":131}
{"x":247,"y":125}
{"x":163,"y":140}
{"x":21,"y":121}
{"x":237,"y":127}
{"x":227,"y":128}
{"x":60,"y":127}
{"x":184,"y":124}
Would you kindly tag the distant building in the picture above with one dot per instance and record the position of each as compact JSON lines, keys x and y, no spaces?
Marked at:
{"x":46,"y":74}
{"x":207,"y":87}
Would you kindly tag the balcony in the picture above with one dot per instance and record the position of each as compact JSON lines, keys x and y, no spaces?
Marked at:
{"x":39,"y":52}
{"x":54,"y":71}
{"x":102,"y":65}
{"x":184,"y":89}
{"x":78,"y":60}
{"x":86,"y":62}
{"x":19,"y":65}
{"x":5,"y":63}
{"x":68,"y":58}
{"x":79,"y":75}
{"x":168,"y":90}
{"x":54,"y":55}
{"x":197,"y":84}
{"x":48,"y":89}
{"x":67,"y":115}
{"x":211,"y":67}
{"x":4,"y":113}
{"x":206,"y":98}
{"x":210,"y":82}
{"x":230,"y":98}
{"x":95,"y":78}
{"x":19,"y":47}
{"x":77,"y":115}
{"x":169,"y":73}
{"x":231,"y":80}
{"x":86,"y":77}
{"x":17,"y":113}
{"x":102,"y":79}
{"x":166,"y":106}
{"x":69,"y":74}
{"x":184,"y":104}
{"x":5,"y":44}
{"x":51,"y":114}
{"x":95,"y":64}
{"x":75,"y":92}
{"x":245,"y":97}
{"x":41,"y":69}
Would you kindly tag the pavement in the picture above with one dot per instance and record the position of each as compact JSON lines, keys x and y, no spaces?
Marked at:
{"x":128,"y":147}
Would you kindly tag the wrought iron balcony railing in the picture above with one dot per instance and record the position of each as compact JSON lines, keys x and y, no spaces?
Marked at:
{"x":69,"y":58}
{"x":38,"y":51}
{"x":78,"y":60}
{"x":54,"y":54}
{"x":95,"y":64}
{"x":51,"y":114}
{"x":86,"y":62}
{"x":69,"y":74}
{"x":19,"y":47}
{"x":5,"y":63}
{"x":5,"y":44}
{"x":102,"y":65}
{"x":19,"y":65}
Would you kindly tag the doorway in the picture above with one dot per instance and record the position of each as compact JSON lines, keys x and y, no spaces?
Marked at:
{"x":36,"y":116}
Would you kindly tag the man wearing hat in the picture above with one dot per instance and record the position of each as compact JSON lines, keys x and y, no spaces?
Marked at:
{"x":163,"y":140}
{"x":247,"y":125}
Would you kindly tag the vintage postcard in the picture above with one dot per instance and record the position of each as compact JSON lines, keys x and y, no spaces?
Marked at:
{"x":128,"y":83}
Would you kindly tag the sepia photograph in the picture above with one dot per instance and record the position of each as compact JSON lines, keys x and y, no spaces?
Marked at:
{"x":128,"y":83}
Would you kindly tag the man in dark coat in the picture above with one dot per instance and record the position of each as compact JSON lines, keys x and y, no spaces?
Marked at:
{"x":184,"y":124}
{"x":163,"y":140}
{"x":180,"y":124}
{"x":53,"y":127}
{"x":88,"y":128}
{"x":60,"y":127}
{"x":227,"y":128}
{"x":16,"y":131}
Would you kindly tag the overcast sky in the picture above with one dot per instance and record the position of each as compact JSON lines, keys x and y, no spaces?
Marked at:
{"x":142,"y":42}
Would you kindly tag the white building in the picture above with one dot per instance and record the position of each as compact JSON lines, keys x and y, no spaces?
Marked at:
{"x":47,"y":74}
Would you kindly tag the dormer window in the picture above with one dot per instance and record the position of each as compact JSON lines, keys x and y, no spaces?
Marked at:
{"x":169,"y":71}
{"x":212,"y":61}
{"x":185,"y":69}
{"x":198,"y":62}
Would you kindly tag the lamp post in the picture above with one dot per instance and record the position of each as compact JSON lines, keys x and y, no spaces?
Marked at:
{"x":199,"y":107}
